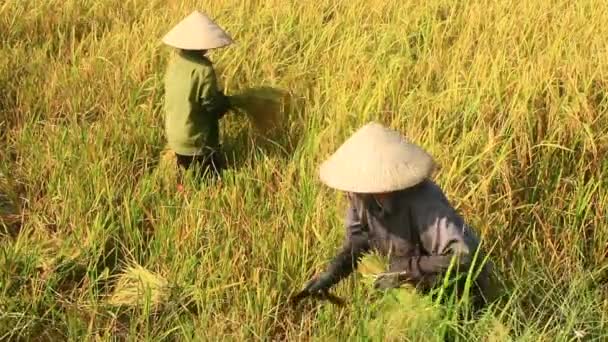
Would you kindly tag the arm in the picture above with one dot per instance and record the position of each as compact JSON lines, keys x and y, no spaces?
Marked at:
{"x":446,"y":240}
{"x":346,"y":261}
{"x":211,"y":97}
{"x":355,"y":245}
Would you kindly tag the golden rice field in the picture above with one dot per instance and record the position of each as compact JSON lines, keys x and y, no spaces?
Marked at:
{"x":96,"y":243}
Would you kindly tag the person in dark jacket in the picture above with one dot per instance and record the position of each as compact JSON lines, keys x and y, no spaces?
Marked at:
{"x":194,"y":103}
{"x":395,"y":209}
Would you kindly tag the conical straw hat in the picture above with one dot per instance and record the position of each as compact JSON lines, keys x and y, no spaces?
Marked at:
{"x":197,"y":32}
{"x":376,"y":160}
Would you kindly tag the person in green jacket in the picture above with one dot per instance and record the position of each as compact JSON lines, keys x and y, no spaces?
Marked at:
{"x":194,"y":102}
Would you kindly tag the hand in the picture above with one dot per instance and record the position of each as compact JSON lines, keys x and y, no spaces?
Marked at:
{"x":319,"y":283}
{"x":390,"y":280}
{"x":318,"y":287}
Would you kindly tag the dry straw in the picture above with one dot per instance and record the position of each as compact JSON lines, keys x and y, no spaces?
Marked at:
{"x":264,"y":106}
{"x":136,"y":284}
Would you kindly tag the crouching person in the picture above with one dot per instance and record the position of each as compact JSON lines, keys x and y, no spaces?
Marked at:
{"x":396,"y":210}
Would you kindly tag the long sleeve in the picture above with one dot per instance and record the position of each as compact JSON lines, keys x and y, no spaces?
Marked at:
{"x":210,"y":96}
{"x":425,"y":270}
{"x":355,"y":245}
{"x":445,"y":240}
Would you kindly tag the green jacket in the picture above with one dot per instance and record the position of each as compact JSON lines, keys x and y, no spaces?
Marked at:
{"x":193,"y":105}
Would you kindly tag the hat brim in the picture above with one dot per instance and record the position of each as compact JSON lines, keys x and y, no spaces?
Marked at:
{"x":376,"y":160}
{"x":197,"y":32}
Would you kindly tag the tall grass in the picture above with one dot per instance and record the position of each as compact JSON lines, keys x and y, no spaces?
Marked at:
{"x":509,"y":96}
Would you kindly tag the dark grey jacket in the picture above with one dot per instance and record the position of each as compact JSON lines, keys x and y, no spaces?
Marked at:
{"x":417,"y":228}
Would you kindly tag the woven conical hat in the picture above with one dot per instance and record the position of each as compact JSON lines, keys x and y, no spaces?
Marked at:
{"x":376,"y":160}
{"x":197,"y":32}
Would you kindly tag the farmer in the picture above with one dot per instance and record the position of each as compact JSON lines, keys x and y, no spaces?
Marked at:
{"x":396,"y":210}
{"x":194,"y":103}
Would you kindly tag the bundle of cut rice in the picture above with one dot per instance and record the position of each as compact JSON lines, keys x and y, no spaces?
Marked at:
{"x":137,"y":286}
{"x":264,"y":106}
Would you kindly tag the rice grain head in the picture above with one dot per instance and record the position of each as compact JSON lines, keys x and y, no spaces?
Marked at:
{"x":264,"y":106}
{"x":136,"y":284}
{"x":168,"y":173}
{"x":404,"y":315}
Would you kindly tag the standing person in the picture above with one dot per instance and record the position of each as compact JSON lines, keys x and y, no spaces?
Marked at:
{"x":194,"y":103}
{"x":396,"y":210}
